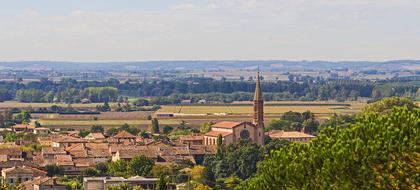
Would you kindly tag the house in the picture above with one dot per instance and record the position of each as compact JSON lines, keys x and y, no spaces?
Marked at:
{"x":43,"y":183}
{"x":103,"y":183}
{"x":47,"y":140}
{"x":124,"y":137}
{"x":195,"y":139}
{"x":49,"y":153}
{"x":199,"y":151}
{"x":232,"y":132}
{"x":292,"y":136}
{"x":16,"y":163}
{"x":23,"y":128}
{"x":41,"y":131}
{"x":16,"y":175}
{"x":11,"y":153}
{"x":95,"y":137}
{"x":151,"y":152}
{"x":66,"y":141}
{"x":185,"y":102}
{"x":66,"y":163}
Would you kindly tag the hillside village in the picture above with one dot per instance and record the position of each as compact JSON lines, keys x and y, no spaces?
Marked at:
{"x":36,"y":160}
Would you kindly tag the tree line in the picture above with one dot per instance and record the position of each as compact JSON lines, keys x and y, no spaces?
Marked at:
{"x":173,"y":91}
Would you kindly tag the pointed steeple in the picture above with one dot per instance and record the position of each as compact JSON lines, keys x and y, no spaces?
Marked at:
{"x":258,"y":95}
{"x":258,"y":103}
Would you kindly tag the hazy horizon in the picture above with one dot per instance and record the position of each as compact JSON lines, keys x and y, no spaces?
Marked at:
{"x":229,"y":30}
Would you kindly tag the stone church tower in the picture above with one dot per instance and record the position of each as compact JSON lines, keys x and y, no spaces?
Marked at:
{"x":258,"y":118}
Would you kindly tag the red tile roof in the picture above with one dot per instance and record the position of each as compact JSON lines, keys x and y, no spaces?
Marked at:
{"x":23,"y":126}
{"x":191,"y":138}
{"x":124,"y":135}
{"x":217,"y":133}
{"x":227,"y":124}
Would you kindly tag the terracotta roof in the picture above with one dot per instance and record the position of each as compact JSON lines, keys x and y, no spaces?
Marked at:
{"x":191,"y":138}
{"x":83,"y":162}
{"x":24,"y":170}
{"x":280,"y":134}
{"x":17,"y":163}
{"x":98,"y":153}
{"x":64,"y":160}
{"x":69,"y":139}
{"x":74,"y":147}
{"x":148,"y":151}
{"x":217,"y":133}
{"x":124,"y":135}
{"x":11,"y":151}
{"x":23,"y":126}
{"x":78,"y":153}
{"x":202,"y":149}
{"x":53,"y":150}
{"x":95,"y":136}
{"x":227,"y":124}
{"x":177,"y":158}
{"x":41,"y":181}
{"x":97,"y":146}
{"x":115,"y":147}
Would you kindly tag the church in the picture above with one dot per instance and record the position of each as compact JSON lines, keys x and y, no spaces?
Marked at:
{"x":232,"y":132}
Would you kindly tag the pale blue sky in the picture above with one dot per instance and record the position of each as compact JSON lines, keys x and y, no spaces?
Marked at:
{"x":138,"y":30}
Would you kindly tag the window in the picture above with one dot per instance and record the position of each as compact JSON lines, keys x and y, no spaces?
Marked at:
{"x":244,"y":134}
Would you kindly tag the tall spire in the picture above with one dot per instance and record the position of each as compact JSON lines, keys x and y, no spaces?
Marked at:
{"x":258,"y":95}
{"x":258,"y":103}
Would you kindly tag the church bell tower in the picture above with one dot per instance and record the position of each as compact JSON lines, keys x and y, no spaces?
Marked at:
{"x":258,"y":118}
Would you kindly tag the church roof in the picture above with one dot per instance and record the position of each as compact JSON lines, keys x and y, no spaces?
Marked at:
{"x":217,"y":133}
{"x":227,"y":124}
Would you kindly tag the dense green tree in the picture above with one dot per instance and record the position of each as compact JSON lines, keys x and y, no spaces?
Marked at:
{"x":23,"y":117}
{"x":155,"y":125}
{"x":387,"y":104}
{"x":206,"y":127}
{"x":167,"y":129}
{"x":118,"y":168}
{"x":53,"y":170}
{"x":97,"y":129}
{"x":161,"y":184}
{"x":377,"y":152}
{"x":30,"y":95}
{"x":141,"y":166}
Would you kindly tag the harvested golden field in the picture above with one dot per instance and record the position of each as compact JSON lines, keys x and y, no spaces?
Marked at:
{"x":270,"y":108}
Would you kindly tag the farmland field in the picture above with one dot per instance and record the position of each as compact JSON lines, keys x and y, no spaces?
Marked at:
{"x":13,"y":104}
{"x":195,"y":115}
{"x":270,"y":108}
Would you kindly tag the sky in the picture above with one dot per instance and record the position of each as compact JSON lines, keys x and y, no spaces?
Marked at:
{"x":143,"y":30}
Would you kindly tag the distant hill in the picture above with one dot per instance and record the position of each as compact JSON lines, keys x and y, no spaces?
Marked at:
{"x":212,"y":65}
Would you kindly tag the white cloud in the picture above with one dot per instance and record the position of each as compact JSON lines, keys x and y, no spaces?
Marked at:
{"x":221,"y":29}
